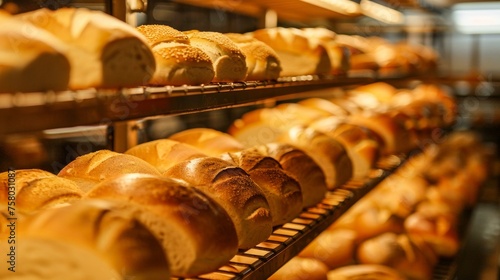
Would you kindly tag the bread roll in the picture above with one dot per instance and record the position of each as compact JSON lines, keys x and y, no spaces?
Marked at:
{"x":398,"y":252}
{"x":177,"y":62}
{"x":235,"y":191}
{"x":36,"y":189}
{"x":181,"y":217}
{"x":228,"y":60}
{"x":103,"y":51}
{"x":281,"y":190}
{"x":298,"y":54}
{"x":164,"y":153}
{"x":300,"y":166}
{"x":330,"y":155}
{"x":262,"y":61}
{"x":299,"y":268}
{"x":335,"y":248}
{"x":210,"y":141}
{"x":90,"y":169}
{"x":365,"y":272}
{"x":32,"y":59}
{"x":109,"y":231}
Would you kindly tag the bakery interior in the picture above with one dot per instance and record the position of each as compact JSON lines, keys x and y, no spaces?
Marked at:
{"x":428,"y":69}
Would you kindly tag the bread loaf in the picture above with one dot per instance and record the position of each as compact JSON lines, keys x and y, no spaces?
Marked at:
{"x":281,"y":191}
{"x":361,"y":148}
{"x":324,"y":105}
{"x":298,"y":55}
{"x":365,"y":271}
{"x":177,"y":62}
{"x":299,"y":268}
{"x":90,"y":169}
{"x":210,"y":141}
{"x":300,"y":166}
{"x":396,"y":139}
{"x":262,"y":61}
{"x":164,"y":153}
{"x":228,"y":60}
{"x":337,"y":53}
{"x":36,"y":189}
{"x":181,"y":217}
{"x":265,"y":125}
{"x":335,"y":248}
{"x":103,"y":51}
{"x":235,"y":191}
{"x":108,"y":231}
{"x":398,"y":252}
{"x":32,"y":59}
{"x":330,"y":155}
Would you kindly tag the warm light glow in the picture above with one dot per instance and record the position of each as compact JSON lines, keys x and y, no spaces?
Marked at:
{"x":381,"y":12}
{"x":477,"y":18}
{"x":345,"y":7}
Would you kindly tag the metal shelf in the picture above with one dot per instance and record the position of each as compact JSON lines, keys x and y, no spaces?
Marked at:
{"x":32,"y":112}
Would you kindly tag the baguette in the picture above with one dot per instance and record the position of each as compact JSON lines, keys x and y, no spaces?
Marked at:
{"x":300,"y":166}
{"x":103,"y":52}
{"x":262,"y":61}
{"x":235,"y":191}
{"x":281,"y":191}
{"x":228,"y":60}
{"x":36,"y":189}
{"x":181,"y":217}
{"x":90,"y":169}
{"x":177,"y":62}
{"x":109,"y":231}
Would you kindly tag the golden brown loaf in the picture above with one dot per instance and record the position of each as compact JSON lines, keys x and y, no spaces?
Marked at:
{"x":235,"y":191}
{"x":90,"y":169}
{"x":281,"y":190}
{"x":36,"y":189}
{"x":324,"y":105}
{"x":330,"y":155}
{"x":210,"y":141}
{"x":335,"y":248}
{"x":103,"y":51}
{"x":197,"y":234}
{"x":299,"y":268}
{"x":108,"y":230}
{"x":300,"y":166}
{"x":361,"y":148}
{"x":298,"y":55}
{"x":164,"y":153}
{"x":265,"y":125}
{"x":228,"y":60}
{"x":177,"y":62}
{"x":398,"y":252}
{"x":31,"y":61}
{"x":262,"y":61}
